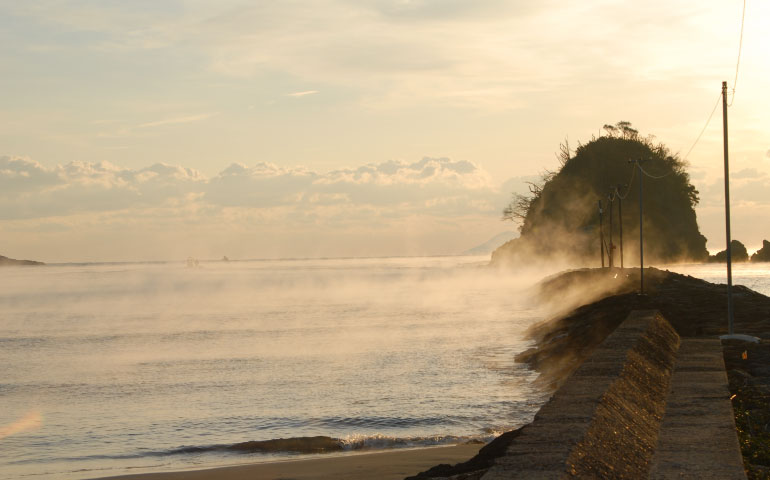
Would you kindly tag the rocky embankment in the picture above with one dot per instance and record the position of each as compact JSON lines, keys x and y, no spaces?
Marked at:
{"x":594,"y":302}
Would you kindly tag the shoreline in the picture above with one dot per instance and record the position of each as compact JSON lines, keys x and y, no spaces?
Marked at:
{"x":376,"y":465}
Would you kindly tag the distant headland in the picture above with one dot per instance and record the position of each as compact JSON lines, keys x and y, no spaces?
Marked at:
{"x":10,"y":262}
{"x":620,"y":186}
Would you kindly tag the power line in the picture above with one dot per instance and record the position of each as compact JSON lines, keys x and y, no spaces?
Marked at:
{"x":616,"y":193}
{"x":704,"y":126}
{"x":740,"y":47}
{"x":623,"y":197}
{"x":735,"y":82}
{"x":655,"y":176}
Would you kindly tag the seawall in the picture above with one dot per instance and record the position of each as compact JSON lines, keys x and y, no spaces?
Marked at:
{"x":645,"y":404}
{"x":603,"y":422}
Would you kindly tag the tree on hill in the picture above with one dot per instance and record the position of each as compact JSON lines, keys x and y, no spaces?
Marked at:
{"x":560,"y":216}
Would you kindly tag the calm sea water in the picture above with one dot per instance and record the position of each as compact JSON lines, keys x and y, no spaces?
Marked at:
{"x":123,"y":368}
{"x":112,"y":368}
{"x":756,"y":276}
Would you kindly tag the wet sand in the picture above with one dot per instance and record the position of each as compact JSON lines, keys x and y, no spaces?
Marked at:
{"x":381,"y":465}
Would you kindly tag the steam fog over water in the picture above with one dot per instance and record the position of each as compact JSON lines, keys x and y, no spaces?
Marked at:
{"x":107,"y":367}
{"x":114,"y":368}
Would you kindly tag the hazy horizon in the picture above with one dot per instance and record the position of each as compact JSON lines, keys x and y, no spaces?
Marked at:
{"x":148,"y":131}
{"x":204,"y":260}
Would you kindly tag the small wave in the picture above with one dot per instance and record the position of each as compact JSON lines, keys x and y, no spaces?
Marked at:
{"x":302,"y":445}
{"x":377,"y":442}
{"x":324,"y":444}
{"x":318,"y":444}
{"x":385,"y":421}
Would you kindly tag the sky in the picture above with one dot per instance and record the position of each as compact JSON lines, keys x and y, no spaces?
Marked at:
{"x":162,"y":129}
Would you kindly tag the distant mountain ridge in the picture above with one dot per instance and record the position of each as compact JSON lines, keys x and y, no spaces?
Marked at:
{"x":490,"y":245}
{"x":7,"y":262}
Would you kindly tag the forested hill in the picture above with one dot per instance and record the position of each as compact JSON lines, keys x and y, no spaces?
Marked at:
{"x":560,"y":218}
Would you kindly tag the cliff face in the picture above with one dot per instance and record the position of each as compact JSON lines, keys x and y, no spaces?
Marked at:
{"x":5,"y":261}
{"x":561,"y":217}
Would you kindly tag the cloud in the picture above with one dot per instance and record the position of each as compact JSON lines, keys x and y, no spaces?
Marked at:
{"x":30,"y":190}
{"x":746,"y":173}
{"x":389,"y":50}
{"x":133,"y":130}
{"x":425,"y":185}
{"x":449,"y":51}
{"x":430,"y":186}
{"x":302,"y":94}
{"x":747,"y":187}
{"x":433,"y":205}
{"x":393,"y":53}
{"x":261,"y":186}
{"x":19,"y":175}
{"x":176,"y":120}
{"x":443,"y":10}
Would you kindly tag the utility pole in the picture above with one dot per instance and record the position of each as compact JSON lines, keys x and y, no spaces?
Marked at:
{"x":641,"y":229}
{"x":620,"y":224}
{"x":727,"y":215}
{"x":641,"y":236}
{"x":611,"y":253}
{"x":601,"y":232}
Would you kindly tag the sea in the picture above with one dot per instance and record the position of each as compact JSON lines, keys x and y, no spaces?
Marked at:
{"x":115,"y":368}
{"x":112,"y":368}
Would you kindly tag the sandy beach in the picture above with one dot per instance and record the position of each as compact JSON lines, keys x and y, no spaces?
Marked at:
{"x":387,"y":465}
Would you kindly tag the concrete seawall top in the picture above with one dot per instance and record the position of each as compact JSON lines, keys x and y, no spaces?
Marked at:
{"x":641,"y":406}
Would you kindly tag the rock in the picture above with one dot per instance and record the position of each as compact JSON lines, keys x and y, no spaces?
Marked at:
{"x":763,"y":254}
{"x":738,"y":253}
{"x":476,"y":466}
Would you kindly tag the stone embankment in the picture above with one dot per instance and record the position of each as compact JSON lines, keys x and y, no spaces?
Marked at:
{"x":603,"y":422}
{"x":645,"y":404}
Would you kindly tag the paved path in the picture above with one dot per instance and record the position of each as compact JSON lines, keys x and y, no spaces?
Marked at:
{"x":697,"y":438}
